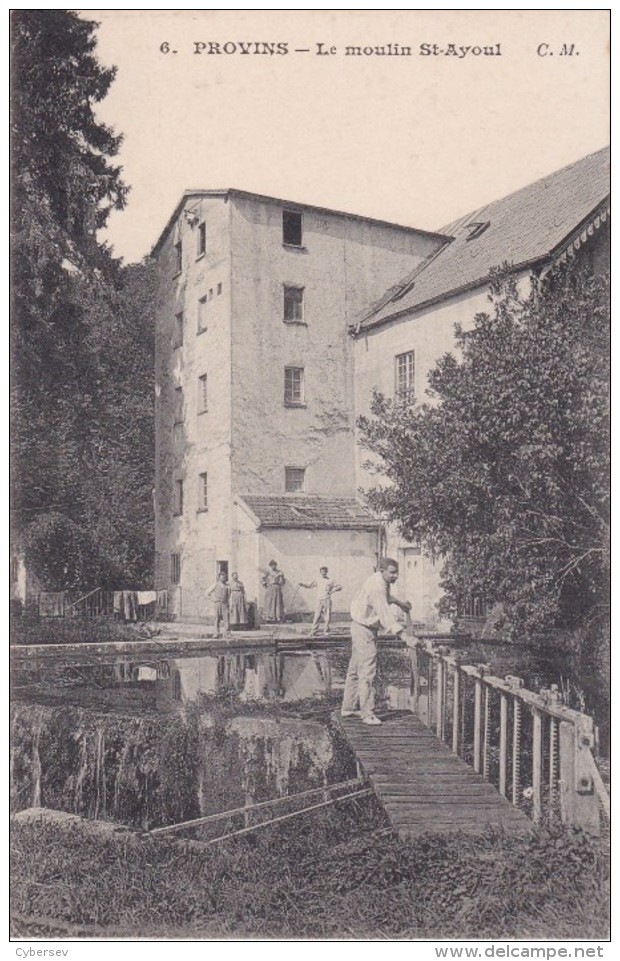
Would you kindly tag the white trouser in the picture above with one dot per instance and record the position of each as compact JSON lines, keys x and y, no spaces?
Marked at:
{"x":359,"y":686}
{"x":324,"y":608}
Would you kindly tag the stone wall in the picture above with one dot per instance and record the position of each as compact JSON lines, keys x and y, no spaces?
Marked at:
{"x":195,"y":439}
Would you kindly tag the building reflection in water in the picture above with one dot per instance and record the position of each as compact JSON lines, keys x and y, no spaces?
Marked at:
{"x":260,"y":678}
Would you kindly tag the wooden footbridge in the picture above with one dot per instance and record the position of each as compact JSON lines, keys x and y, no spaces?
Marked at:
{"x":475,"y":752}
{"x":423,"y":787}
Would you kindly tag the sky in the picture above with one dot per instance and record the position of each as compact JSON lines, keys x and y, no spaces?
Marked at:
{"x":417,"y":140}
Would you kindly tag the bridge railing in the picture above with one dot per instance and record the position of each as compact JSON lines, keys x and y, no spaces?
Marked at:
{"x":539,"y":753}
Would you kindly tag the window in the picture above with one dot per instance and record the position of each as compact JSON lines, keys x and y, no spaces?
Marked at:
{"x":175,"y":568}
{"x":291,"y":228}
{"x":178,"y":497}
{"x":402,"y":291}
{"x":293,"y":305}
{"x":294,"y":479}
{"x":202,"y":314}
{"x":178,"y":405}
{"x":293,"y":386}
{"x":202,"y":393}
{"x":178,"y":329}
{"x":203,"y":491}
{"x":178,"y":257}
{"x":472,"y":605}
{"x":201,"y":240}
{"x":477,"y":228}
{"x":219,"y":290}
{"x":405,"y":376}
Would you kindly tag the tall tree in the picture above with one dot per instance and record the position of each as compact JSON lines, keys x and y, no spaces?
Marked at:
{"x":118,"y":464}
{"x":64,"y":187}
{"x":505,"y":472}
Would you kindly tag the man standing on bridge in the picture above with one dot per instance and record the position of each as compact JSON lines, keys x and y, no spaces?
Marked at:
{"x":370,"y":610}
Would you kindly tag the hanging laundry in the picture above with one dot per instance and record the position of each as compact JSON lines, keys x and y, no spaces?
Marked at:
{"x":130,"y":605}
{"x":146,"y":597}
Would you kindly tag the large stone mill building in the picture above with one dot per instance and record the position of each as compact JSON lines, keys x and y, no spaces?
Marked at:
{"x":274,"y":322}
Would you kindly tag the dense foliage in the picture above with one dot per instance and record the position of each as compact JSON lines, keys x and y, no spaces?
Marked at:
{"x":504,"y":471}
{"x":81,"y":344}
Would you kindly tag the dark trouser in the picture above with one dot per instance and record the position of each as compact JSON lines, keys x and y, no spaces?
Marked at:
{"x":221,"y":615}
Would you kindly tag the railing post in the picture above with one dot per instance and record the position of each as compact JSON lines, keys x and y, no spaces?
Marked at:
{"x":503,"y":742}
{"x":578,"y":800}
{"x":463,"y":709}
{"x":440,"y":707}
{"x":553,"y":764}
{"x":422,"y":686}
{"x":487,"y":733}
{"x":537,"y":764}
{"x":516,"y":750}
{"x":456,"y":709}
{"x":429,"y":696}
{"x":477,"y":723}
{"x":553,"y":697}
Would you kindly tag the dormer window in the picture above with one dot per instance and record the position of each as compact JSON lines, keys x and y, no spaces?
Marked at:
{"x":402,"y":291}
{"x":477,"y":228}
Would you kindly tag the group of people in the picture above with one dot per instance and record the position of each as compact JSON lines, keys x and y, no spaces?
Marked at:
{"x":231,"y":609}
{"x":229,"y":602}
{"x":372,"y":611}
{"x":274,"y":581}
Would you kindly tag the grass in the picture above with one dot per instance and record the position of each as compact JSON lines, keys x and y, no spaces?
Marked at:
{"x":338,"y":874}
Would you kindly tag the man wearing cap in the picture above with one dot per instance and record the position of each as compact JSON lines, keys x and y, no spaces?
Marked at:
{"x":325,"y":588}
{"x":370,"y":610}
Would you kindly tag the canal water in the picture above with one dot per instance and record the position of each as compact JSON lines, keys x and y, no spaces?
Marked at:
{"x":150,"y":741}
{"x":154,"y":740}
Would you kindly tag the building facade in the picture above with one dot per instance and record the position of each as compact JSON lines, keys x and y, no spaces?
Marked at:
{"x":255,"y":412}
{"x":274,"y":324}
{"x":564,"y":215}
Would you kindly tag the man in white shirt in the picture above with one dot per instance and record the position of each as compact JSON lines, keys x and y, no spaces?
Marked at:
{"x":325,"y":588}
{"x":370,"y":611}
{"x":220,"y":592}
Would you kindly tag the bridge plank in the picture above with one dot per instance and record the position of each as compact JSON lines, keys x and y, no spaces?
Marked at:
{"x":424,"y":787}
{"x":457,"y":793}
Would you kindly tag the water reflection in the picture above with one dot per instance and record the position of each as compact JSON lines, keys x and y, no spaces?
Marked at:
{"x":167,"y":683}
{"x":262,"y":678}
{"x":165,"y":739}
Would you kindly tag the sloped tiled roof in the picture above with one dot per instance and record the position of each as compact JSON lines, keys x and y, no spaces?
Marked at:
{"x":522,"y":229}
{"x":310,"y":512}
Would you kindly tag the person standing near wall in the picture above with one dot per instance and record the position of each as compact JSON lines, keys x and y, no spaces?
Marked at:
{"x":273,"y":582}
{"x":325,"y":588}
{"x":220,"y":592}
{"x":238,"y":609}
{"x":370,"y":611}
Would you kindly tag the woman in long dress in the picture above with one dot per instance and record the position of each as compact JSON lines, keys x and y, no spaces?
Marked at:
{"x":238,"y":610}
{"x":273,"y":582}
